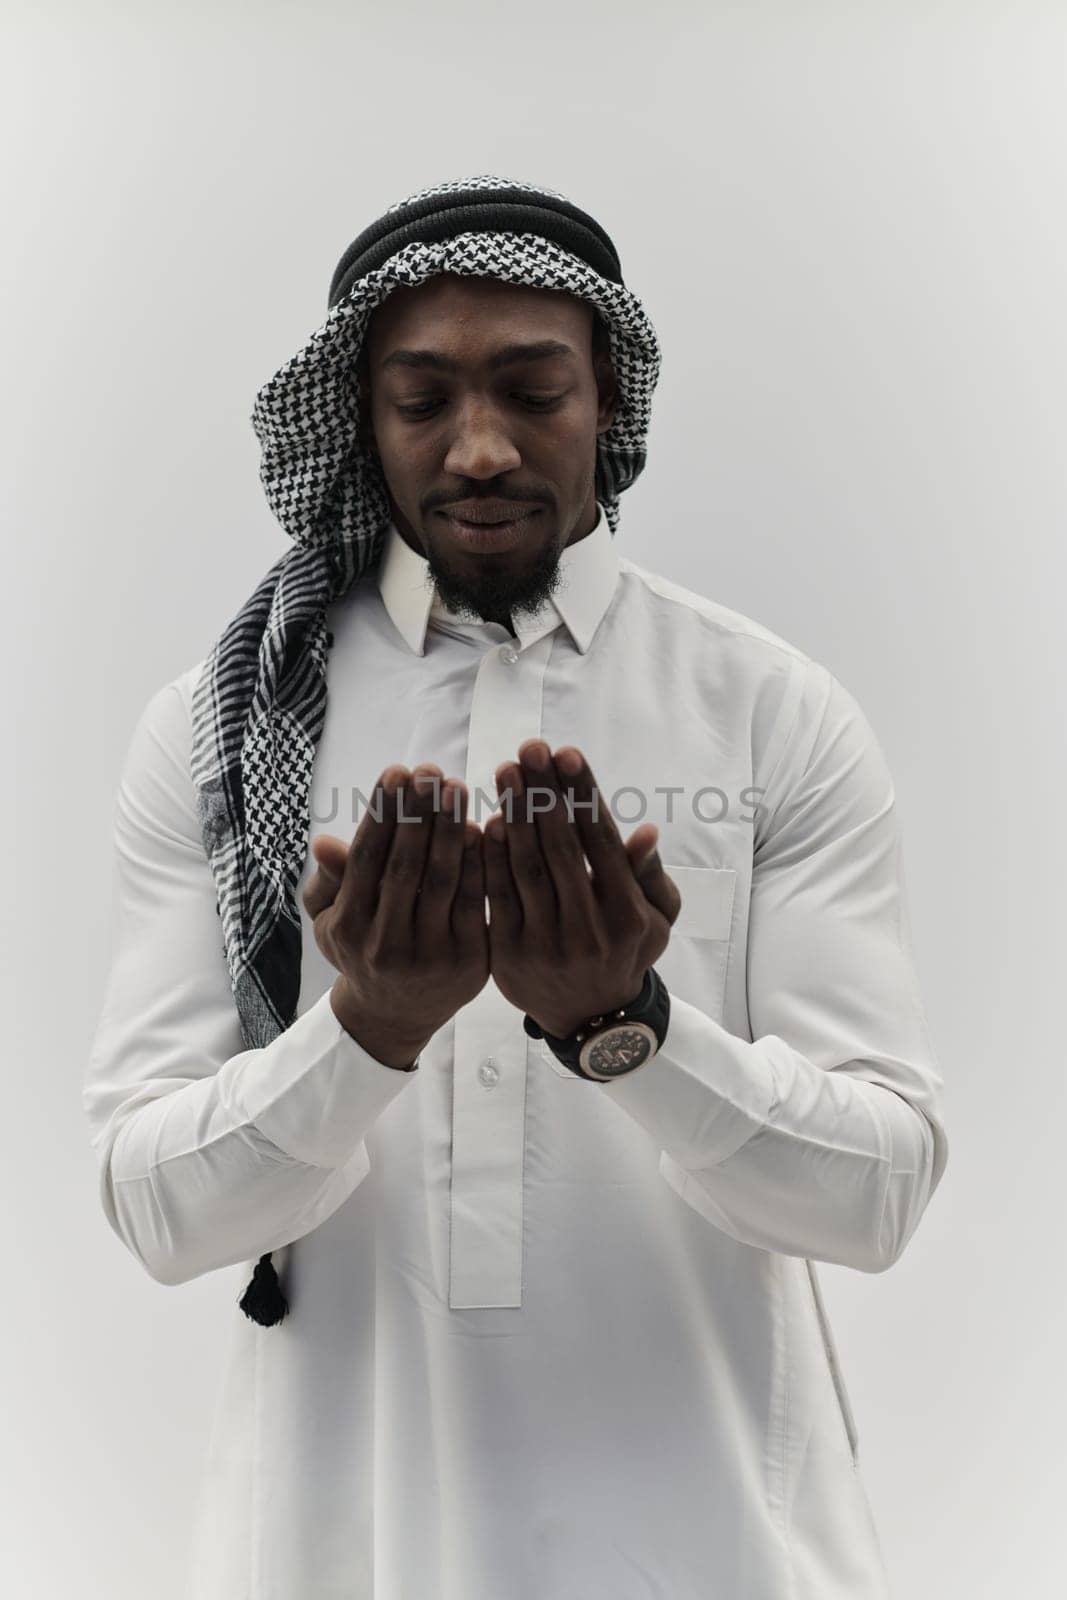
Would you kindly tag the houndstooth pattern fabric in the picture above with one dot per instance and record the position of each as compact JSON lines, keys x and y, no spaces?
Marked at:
{"x":260,"y":702}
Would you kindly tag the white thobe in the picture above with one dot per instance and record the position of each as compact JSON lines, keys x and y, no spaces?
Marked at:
{"x":549,"y":1339}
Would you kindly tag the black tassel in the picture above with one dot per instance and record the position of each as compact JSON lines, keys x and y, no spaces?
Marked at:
{"x":263,"y":1300}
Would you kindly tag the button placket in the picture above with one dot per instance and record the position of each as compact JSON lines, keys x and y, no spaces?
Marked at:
{"x":490,"y":1056}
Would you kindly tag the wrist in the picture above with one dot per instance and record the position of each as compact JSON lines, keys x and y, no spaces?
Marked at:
{"x":561,"y":1027}
{"x":379,"y":1037}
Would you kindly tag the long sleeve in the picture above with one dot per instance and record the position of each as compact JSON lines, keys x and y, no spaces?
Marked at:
{"x":824,"y":1136}
{"x":208,"y":1153}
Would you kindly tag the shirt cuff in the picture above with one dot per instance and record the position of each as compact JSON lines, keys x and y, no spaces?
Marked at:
{"x":704,"y":1093}
{"x":314,"y":1091}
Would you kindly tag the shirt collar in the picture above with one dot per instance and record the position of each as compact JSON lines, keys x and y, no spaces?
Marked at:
{"x":590,"y":571}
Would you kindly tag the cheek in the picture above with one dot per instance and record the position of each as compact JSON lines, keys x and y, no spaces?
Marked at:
{"x":403,"y":451}
{"x":565,"y":447}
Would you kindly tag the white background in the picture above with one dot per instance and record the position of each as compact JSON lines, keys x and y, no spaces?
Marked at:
{"x":847,"y":223}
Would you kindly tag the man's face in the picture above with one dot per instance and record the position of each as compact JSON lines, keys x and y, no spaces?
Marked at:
{"x":470,"y":433}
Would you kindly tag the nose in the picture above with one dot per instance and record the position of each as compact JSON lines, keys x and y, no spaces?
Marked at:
{"x":480,"y":446}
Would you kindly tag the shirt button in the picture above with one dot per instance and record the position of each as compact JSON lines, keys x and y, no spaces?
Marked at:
{"x":509,"y":654}
{"x":488,"y":1073}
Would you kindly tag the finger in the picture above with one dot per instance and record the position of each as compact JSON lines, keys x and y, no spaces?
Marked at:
{"x":640,"y":845}
{"x":561,"y":845}
{"x":505,"y":906}
{"x":658,"y":887}
{"x":320,"y":891}
{"x":402,"y":873}
{"x":529,"y":870}
{"x":613,"y":879}
{"x":444,"y":860}
{"x":468,"y":902}
{"x":368,"y":852}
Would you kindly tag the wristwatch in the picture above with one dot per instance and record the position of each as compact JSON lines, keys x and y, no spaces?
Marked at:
{"x":606,"y":1047}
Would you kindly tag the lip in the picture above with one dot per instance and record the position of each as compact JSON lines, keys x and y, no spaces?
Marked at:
{"x":486,"y":536}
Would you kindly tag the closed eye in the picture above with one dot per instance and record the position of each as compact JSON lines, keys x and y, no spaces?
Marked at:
{"x":535,"y":402}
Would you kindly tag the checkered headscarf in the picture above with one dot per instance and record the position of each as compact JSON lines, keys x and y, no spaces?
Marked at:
{"x":260,"y":702}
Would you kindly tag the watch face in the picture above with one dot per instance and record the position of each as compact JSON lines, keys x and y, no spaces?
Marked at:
{"x":618,"y":1050}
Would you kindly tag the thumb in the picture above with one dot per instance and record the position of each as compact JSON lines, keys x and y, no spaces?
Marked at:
{"x":330,"y":854}
{"x":658,"y":888}
{"x":641,"y":846}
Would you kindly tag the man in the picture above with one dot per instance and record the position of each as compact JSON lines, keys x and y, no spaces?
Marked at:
{"x":536,"y":1173}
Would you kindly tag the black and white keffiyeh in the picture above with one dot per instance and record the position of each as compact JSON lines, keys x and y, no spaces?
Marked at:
{"x":259,"y":705}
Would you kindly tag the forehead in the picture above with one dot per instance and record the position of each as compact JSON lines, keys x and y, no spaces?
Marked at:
{"x":466,"y":315}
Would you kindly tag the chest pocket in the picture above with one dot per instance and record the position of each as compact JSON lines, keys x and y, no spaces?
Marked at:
{"x":695,"y":961}
{"x":707,"y":901}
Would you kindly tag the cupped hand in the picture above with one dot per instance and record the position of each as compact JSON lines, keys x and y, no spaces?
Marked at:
{"x":568,"y":940}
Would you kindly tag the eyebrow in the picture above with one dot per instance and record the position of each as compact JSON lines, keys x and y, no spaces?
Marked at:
{"x":540,"y":350}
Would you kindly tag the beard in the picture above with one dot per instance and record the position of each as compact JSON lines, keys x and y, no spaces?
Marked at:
{"x":496,"y":590}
